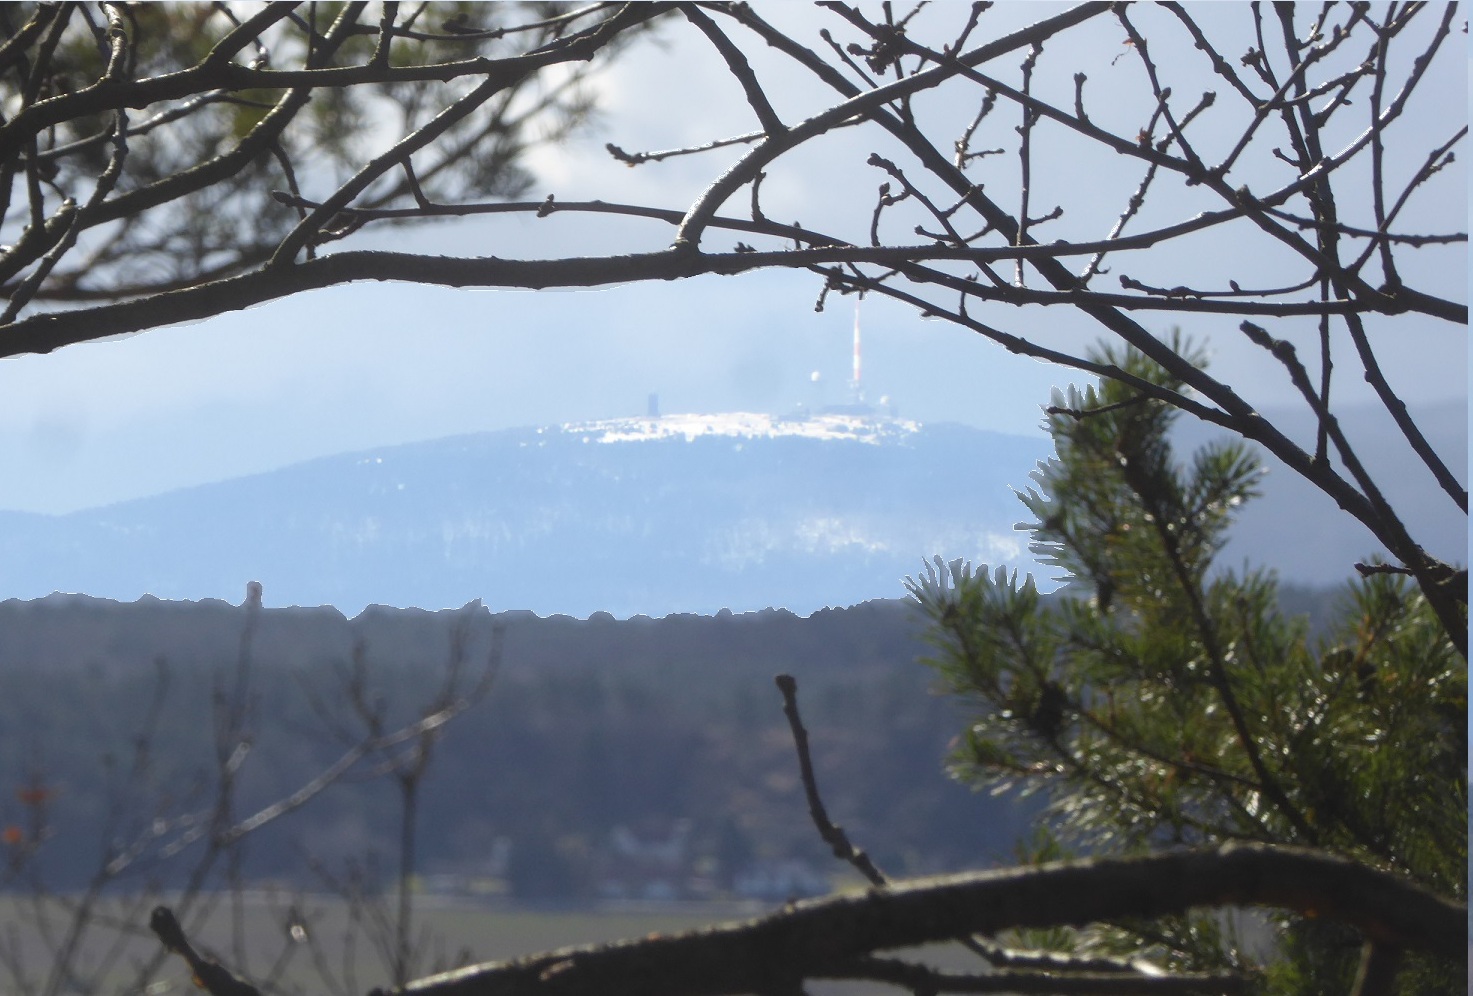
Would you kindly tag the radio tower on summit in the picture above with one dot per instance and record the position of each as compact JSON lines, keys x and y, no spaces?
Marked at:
{"x":857,"y":404}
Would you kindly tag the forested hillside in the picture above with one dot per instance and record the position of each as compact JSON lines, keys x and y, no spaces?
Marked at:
{"x":595,"y":733}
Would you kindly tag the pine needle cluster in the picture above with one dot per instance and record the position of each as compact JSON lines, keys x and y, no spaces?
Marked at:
{"x":1162,"y":700}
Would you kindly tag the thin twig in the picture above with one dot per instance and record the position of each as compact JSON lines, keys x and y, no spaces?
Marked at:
{"x":832,"y":834}
{"x":210,"y":975}
{"x":1080,"y":414}
{"x":635,"y":158}
{"x":1025,"y":158}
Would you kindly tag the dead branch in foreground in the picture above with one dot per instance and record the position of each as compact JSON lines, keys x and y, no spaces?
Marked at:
{"x":833,"y":937}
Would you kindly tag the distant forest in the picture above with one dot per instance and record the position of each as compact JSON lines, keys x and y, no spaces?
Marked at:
{"x":642,"y":758}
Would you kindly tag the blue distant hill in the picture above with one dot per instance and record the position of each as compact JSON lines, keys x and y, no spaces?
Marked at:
{"x":674,"y":513}
{"x":659,"y":515}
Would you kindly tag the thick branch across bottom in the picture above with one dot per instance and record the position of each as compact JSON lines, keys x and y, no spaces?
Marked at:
{"x":826,"y":936}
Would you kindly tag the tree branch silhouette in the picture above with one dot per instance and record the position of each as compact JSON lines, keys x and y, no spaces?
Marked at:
{"x":828,"y":938}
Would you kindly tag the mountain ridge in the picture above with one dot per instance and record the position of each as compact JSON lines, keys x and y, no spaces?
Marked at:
{"x":652,"y":515}
{"x":700,"y":516}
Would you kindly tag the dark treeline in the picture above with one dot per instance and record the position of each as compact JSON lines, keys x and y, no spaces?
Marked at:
{"x":599,"y":740}
{"x":610,"y":757}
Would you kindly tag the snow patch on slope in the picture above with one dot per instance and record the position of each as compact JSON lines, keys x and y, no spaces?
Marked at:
{"x":871,"y":429}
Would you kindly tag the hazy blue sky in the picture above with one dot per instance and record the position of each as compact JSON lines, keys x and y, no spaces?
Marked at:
{"x":368,"y":365}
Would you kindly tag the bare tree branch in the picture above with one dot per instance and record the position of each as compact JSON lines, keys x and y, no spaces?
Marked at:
{"x":155,"y":184}
{"x":827,"y":938}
